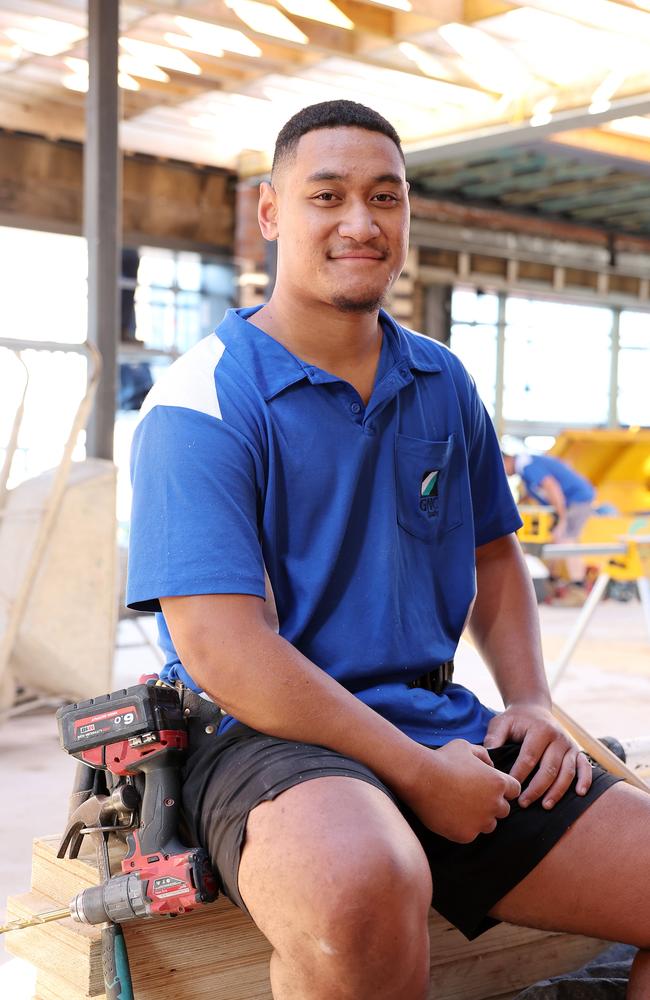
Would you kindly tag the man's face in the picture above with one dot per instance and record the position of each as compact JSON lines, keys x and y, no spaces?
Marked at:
{"x":339,"y":209}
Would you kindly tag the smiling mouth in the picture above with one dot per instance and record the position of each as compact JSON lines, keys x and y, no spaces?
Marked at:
{"x":357,"y":256}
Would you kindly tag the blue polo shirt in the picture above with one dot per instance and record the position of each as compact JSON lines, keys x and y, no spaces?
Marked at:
{"x":534,"y":468}
{"x":365,"y":518}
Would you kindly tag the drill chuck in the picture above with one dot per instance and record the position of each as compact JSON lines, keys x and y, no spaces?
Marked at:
{"x":120,"y":899}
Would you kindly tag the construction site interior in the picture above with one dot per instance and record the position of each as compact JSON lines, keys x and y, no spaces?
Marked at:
{"x":133,"y":140}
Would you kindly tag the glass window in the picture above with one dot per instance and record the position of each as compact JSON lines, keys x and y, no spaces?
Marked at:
{"x":179,"y":298}
{"x":633,"y":403}
{"x":471,"y":306}
{"x":473,"y":339}
{"x":217,"y":279}
{"x":155,"y":319}
{"x":188,"y":320}
{"x":557,"y":362}
{"x":43,"y":293}
{"x":188,"y":271}
{"x":476,"y":346}
{"x":157,"y":267}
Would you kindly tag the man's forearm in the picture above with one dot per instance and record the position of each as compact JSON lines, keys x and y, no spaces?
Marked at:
{"x":266,"y":683}
{"x":555,"y":496}
{"x":505,"y":623}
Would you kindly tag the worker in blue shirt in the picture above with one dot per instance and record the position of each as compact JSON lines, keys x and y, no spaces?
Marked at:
{"x":315,"y":452}
{"x":551,"y":482}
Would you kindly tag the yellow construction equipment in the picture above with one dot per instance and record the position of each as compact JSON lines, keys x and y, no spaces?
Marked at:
{"x":617,"y":462}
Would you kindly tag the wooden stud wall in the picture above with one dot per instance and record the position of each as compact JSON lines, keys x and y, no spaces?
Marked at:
{"x":164,"y":203}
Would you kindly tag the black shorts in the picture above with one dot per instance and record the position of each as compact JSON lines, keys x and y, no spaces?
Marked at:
{"x":225,"y":779}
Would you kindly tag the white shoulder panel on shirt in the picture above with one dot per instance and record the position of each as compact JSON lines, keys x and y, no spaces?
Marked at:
{"x":189,"y":382}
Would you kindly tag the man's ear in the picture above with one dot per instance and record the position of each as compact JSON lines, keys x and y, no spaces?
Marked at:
{"x":267,"y":211}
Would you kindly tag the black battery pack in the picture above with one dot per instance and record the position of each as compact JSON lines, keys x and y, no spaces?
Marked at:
{"x":122,"y":715}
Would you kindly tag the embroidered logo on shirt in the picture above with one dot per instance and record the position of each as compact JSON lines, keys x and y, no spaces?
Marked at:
{"x":429,"y":493}
{"x":429,"y":486}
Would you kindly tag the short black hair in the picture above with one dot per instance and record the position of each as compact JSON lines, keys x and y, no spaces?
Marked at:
{"x":330,"y":114}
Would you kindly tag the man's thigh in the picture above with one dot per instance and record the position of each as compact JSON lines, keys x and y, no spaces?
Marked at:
{"x":329,"y":850}
{"x":595,"y":880}
{"x":292,"y":828}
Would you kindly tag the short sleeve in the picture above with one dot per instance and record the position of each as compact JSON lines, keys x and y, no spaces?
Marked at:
{"x":194,"y":521}
{"x":495,"y":511}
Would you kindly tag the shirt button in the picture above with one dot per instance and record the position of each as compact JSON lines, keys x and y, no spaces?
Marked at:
{"x":355,"y":407}
{"x":404,"y":372}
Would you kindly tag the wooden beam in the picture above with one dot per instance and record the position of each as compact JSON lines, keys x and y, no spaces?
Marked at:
{"x":377,"y":21}
{"x":425,"y":15}
{"x":323,"y":40}
{"x":627,"y":147}
{"x":565,"y":193}
{"x":500,"y":220}
{"x":47,"y":118}
{"x":624,"y":206}
{"x":479,"y":10}
{"x":33,"y":91}
{"x":598,"y":196}
{"x":162,"y":203}
{"x":581,"y":173}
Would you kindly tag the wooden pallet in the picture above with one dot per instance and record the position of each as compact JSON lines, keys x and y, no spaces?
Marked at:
{"x":218,"y":953}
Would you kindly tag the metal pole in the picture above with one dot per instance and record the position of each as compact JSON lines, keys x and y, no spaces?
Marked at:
{"x":578,"y":629}
{"x":102,"y":222}
{"x":612,"y":418}
{"x":500,"y":365}
{"x":643,"y":584}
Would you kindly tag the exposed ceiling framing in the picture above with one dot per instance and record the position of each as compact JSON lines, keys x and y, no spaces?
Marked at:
{"x":538,"y":107}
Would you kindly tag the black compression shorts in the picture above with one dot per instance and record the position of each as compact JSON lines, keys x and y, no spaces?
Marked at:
{"x":226,"y":778}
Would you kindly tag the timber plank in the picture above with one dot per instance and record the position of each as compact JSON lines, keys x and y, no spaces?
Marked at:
{"x":491,"y":974}
{"x":71,"y":950}
{"x":50,"y":986}
{"x":218,"y":953}
{"x":63,"y":878}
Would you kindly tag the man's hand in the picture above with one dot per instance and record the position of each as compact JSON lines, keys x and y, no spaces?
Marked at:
{"x":544,"y":742}
{"x":558,"y":534}
{"x":464,"y":795}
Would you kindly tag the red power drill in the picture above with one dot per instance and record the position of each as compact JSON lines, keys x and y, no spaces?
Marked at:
{"x":138,"y":731}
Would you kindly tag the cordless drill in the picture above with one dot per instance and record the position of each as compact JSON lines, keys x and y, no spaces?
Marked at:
{"x":139,"y":735}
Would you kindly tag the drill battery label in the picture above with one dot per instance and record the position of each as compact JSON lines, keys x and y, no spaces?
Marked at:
{"x":167,"y":885}
{"x":113,"y":721}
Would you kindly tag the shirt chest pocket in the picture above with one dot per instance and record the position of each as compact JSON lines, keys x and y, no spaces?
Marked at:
{"x":428,"y":480}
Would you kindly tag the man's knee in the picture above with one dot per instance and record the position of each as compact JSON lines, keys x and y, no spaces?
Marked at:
{"x":378,"y":892}
{"x":364,"y":922}
{"x":339,"y":862}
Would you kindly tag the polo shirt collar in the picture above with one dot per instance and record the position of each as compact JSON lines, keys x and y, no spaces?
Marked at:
{"x":274,"y":368}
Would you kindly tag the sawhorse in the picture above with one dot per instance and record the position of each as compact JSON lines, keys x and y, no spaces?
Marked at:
{"x":627,"y":561}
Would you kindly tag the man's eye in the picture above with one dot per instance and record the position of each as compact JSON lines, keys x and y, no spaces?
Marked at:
{"x":386,"y":198}
{"x":324,"y":196}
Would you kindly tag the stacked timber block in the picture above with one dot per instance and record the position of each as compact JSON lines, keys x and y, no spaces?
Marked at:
{"x":218,"y":953}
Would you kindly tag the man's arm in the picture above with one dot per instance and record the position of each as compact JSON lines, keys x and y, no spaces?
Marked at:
{"x":555,"y":496}
{"x":227,"y":646}
{"x":505,"y":627}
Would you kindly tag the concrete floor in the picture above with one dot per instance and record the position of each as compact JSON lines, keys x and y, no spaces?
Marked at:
{"x":606,"y":688}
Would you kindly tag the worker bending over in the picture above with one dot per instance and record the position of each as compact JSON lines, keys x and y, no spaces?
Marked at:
{"x":553,"y":483}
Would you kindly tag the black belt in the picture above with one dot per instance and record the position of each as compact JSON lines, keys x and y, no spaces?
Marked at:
{"x":435,"y":680}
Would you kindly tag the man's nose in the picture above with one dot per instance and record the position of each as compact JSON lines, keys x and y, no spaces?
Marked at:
{"x":358,"y":223}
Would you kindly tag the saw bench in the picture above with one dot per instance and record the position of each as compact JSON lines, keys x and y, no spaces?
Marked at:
{"x":216,"y":952}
